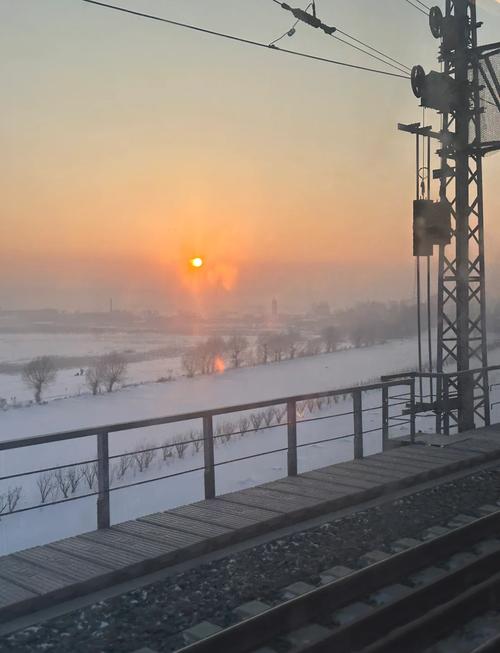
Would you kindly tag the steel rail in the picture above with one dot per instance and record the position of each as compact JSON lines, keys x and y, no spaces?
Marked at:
{"x":291,"y":615}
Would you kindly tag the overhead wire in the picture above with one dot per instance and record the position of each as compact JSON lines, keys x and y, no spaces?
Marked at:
{"x":399,"y":66}
{"x":239,"y":39}
{"x":426,"y":13}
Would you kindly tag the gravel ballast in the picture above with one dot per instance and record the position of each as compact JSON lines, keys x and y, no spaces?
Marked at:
{"x":156,"y":615}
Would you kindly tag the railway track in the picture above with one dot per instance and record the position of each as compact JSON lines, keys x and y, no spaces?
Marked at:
{"x":405,"y":602}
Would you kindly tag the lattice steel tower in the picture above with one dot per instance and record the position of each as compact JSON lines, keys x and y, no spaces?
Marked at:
{"x":466,"y":93}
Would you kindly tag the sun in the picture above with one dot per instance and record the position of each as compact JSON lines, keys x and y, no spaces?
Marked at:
{"x":196,"y":262}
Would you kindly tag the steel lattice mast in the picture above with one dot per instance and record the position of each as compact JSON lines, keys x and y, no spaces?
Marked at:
{"x":462,"y":340}
{"x":470,"y":127}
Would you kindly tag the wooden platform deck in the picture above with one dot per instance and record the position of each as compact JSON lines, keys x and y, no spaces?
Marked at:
{"x":36,"y":578}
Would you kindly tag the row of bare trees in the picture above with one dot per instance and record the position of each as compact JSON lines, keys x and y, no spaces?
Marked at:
{"x":270,"y":346}
{"x":107,"y":372}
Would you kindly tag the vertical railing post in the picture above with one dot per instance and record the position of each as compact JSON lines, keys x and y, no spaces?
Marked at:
{"x":208,"y":451}
{"x":446,"y":404}
{"x":103,"y":510}
{"x":385,"y":417}
{"x":413,"y":413}
{"x":357,"y":409}
{"x":291,"y":410}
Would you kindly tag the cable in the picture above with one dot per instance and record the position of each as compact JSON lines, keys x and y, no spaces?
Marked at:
{"x":330,"y":31}
{"x":241,"y":40}
{"x":426,"y":13}
{"x":423,"y":4}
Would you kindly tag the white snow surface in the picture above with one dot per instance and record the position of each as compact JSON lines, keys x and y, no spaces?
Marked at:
{"x":246,"y":385}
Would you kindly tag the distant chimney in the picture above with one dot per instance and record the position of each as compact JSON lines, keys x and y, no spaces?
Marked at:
{"x":110,"y":304}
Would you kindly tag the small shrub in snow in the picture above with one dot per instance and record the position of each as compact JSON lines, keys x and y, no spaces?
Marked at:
{"x":45,"y":483}
{"x":180,"y":446}
{"x":3,"y":503}
{"x":3,"y":404}
{"x":227,"y":431}
{"x":124,"y":464}
{"x":256,"y":419}
{"x":62,"y":482}
{"x":196,"y":438}
{"x":144,"y":457}
{"x":13,"y":497}
{"x":167,"y":451}
{"x":89,"y":473}
{"x":279,"y":414}
{"x":243,"y":425}
{"x":74,"y":476}
{"x":301,"y":408}
{"x":268,"y":416}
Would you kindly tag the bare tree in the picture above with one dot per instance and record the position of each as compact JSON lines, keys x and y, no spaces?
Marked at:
{"x":94,"y":377}
{"x":256,"y":419}
{"x":143,"y":457}
{"x":190,"y":361}
{"x":268,"y":416}
{"x":114,"y":368}
{"x":3,"y":503}
{"x":180,"y":446}
{"x":291,"y":340}
{"x":330,"y":337}
{"x":45,"y":484}
{"x":74,"y":476}
{"x":263,"y":347}
{"x":89,"y":473}
{"x":38,"y":374}
{"x":236,"y":345}
{"x":124,"y":463}
{"x":63,"y":482}
{"x":244,"y":425}
{"x":13,"y":497}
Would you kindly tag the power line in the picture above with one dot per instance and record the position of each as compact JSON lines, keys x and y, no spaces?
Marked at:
{"x":239,"y":39}
{"x":426,"y":13}
{"x":423,"y":4}
{"x":330,"y":31}
{"x":291,"y":31}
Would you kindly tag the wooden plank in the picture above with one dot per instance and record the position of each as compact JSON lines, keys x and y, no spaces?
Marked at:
{"x":67,"y":565}
{"x":151,"y":531}
{"x":128,"y":542}
{"x":355,"y":473}
{"x":408,"y":467}
{"x":274,"y":494}
{"x":397,"y":458}
{"x":326,"y":489}
{"x":11,"y":593}
{"x":214,"y":517}
{"x":182,"y":524}
{"x":89,"y":550}
{"x":373,"y":470}
{"x":31,"y":577}
{"x":277,"y":505}
{"x":418,"y":458}
{"x":301,"y":490}
{"x":247,"y":511}
{"x":342,"y":480}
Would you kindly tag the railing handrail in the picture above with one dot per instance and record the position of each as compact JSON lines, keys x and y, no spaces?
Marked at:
{"x":62,"y":436}
{"x":435,"y":375}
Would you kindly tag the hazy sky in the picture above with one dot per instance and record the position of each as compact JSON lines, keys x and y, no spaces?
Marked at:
{"x":129,"y":146}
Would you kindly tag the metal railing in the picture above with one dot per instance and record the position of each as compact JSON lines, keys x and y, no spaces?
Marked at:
{"x":443,"y":397}
{"x":98,"y":468}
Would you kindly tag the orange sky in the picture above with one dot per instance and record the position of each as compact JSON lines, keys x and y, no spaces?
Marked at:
{"x":130,"y":147}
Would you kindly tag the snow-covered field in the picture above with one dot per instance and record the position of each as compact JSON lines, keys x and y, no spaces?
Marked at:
{"x":305,"y":375}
